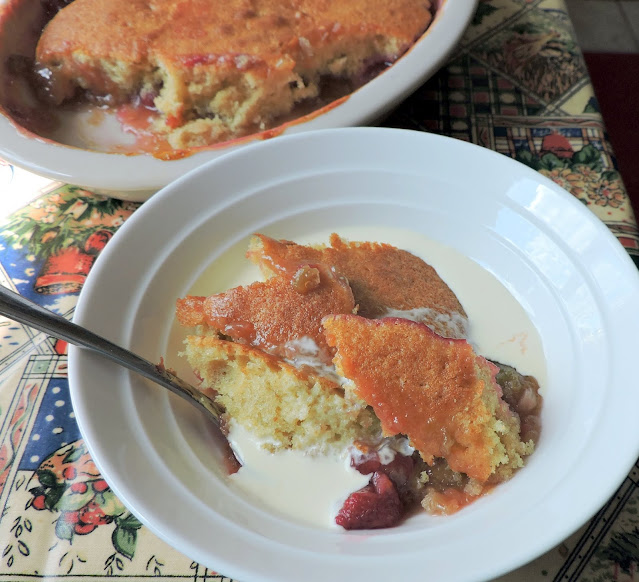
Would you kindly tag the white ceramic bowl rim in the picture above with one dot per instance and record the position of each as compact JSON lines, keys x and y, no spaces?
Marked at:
{"x":564,"y":265}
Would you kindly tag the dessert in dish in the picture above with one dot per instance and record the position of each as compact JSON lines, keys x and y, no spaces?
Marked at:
{"x":404,"y":400}
{"x":214,"y":71}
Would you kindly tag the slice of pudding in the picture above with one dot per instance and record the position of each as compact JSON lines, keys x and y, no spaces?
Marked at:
{"x":217,"y":70}
{"x":282,"y":315}
{"x":281,"y":405}
{"x":386,"y":281}
{"x":434,"y":390}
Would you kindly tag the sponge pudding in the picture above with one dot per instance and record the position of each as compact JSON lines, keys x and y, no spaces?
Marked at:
{"x":217,"y":70}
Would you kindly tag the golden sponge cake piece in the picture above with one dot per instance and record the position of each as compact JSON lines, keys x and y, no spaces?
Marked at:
{"x":219,"y":69}
{"x":281,"y":405}
{"x":434,"y":390}
{"x":385,"y":280}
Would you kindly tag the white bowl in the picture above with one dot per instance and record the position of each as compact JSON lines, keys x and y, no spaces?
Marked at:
{"x":571,"y":276}
{"x":139,"y":176}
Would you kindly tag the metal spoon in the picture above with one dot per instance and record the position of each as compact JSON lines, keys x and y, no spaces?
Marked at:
{"x":17,"y":308}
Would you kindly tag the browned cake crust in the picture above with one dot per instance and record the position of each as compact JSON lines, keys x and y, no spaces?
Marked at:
{"x":434,"y":390}
{"x":217,"y":69}
{"x":381,"y":276}
{"x":272,"y":315}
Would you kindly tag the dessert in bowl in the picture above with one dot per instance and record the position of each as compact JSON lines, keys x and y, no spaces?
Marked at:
{"x":130,"y":106}
{"x":360,"y":351}
{"x":498,"y":234}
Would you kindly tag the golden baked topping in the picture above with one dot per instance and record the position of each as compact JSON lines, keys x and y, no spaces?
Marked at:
{"x":216,"y":70}
{"x":434,"y":390}
{"x":382,"y":277}
{"x":273,"y":314}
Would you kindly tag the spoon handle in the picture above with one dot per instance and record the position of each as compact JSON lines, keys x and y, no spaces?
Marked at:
{"x":22,"y":310}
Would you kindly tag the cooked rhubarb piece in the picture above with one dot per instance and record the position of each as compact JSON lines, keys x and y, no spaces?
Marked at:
{"x":282,"y":316}
{"x":434,"y":390}
{"x":375,"y":506}
{"x":522,"y":395}
{"x":385,"y":280}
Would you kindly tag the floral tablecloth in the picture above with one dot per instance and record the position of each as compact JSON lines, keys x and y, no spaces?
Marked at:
{"x":517,"y":84}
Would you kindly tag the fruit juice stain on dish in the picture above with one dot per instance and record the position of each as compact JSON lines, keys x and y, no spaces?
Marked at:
{"x":500,"y":329}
